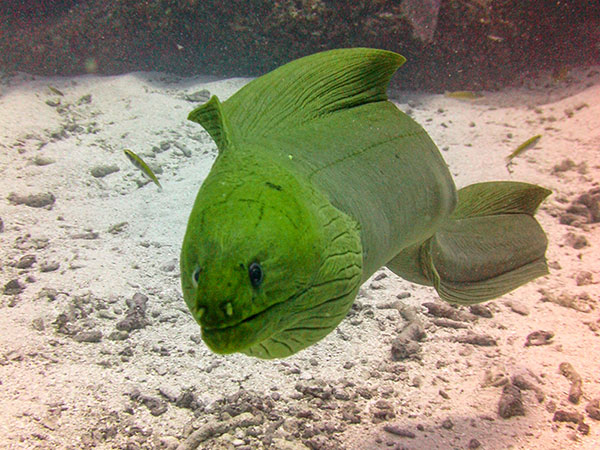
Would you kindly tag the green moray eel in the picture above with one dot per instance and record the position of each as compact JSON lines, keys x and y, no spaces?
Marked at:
{"x":319,"y":182}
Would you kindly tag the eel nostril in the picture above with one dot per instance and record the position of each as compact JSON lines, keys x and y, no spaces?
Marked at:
{"x":229,"y":309}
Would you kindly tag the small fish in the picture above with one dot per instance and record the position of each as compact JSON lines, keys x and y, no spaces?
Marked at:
{"x":55,"y":91}
{"x":463,"y":95}
{"x":495,"y":38}
{"x":140,"y":164}
{"x":524,"y":146}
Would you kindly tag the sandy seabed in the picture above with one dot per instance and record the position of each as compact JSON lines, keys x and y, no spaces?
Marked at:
{"x":98,"y":350}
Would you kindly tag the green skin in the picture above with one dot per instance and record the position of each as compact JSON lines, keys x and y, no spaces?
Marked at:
{"x":319,"y":182}
{"x":310,"y":254}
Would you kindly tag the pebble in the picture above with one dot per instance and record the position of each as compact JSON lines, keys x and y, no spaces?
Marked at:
{"x":403,"y":348}
{"x":119,"y":335}
{"x":481,"y":311}
{"x":50,"y":266}
{"x":33,"y":200}
{"x":26,"y":262}
{"x":583,"y":278}
{"x":1,"y":225}
{"x":383,"y":410}
{"x":40,"y":160}
{"x":575,"y":392}
{"x":511,"y":402}
{"x":483,"y":340}
{"x":446,"y":311}
{"x":135,"y":317}
{"x":201,"y":96}
{"x":156,"y":406}
{"x":539,"y":337}
{"x":517,"y":307}
{"x":524,"y":384}
{"x":399,"y":431}
{"x":38,"y":324}
{"x":88,"y":336}
{"x":593,"y":408}
{"x":576,"y":241}
{"x":448,"y":323}
{"x":13,"y":287}
{"x":562,"y":415}
{"x":473,"y":444}
{"x":102,"y":171}
{"x":406,"y":345}
{"x":447,"y":424}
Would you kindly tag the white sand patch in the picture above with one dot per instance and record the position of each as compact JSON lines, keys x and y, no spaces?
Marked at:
{"x":117,"y":235}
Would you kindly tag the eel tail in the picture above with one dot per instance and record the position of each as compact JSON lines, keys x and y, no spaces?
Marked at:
{"x":490,"y":245}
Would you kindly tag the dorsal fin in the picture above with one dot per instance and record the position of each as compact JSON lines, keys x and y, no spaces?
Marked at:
{"x":210,"y":116}
{"x":300,"y":91}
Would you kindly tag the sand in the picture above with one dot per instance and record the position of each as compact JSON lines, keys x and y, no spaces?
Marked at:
{"x":79,"y":368}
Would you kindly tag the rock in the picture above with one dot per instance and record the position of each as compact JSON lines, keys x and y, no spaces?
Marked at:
{"x":481,"y":310}
{"x":319,"y":390}
{"x":33,"y":200}
{"x":578,"y":302}
{"x":156,"y":406}
{"x":583,"y":428}
{"x":517,"y":307}
{"x":446,"y":311}
{"x":413,"y":331}
{"x":473,"y":444}
{"x":382,"y":411}
{"x":593,"y":408}
{"x":201,"y":96}
{"x":26,"y":262}
{"x":40,"y":160}
{"x":103,"y":170}
{"x":118,"y":335}
{"x":118,"y":227}
{"x":524,"y":384}
{"x":447,"y":424}
{"x":448,"y":323}
{"x":13,"y":287}
{"x":404,"y":348}
{"x":88,"y":336}
{"x":577,"y":241}
{"x":187,"y":399}
{"x":38,"y":324}
{"x":1,"y":225}
{"x":135,"y":317}
{"x":583,"y":278}
{"x":575,"y":392}
{"x":539,"y":337}
{"x":562,"y":415}
{"x":563,"y":166}
{"x":49,"y":266}
{"x":476,"y":339}
{"x":591,"y":200}
{"x":399,"y":431}
{"x":511,"y":402}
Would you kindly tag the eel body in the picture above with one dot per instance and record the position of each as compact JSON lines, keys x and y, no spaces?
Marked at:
{"x":319,"y":182}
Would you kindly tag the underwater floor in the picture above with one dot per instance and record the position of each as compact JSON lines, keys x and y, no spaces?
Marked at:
{"x":98,"y":350}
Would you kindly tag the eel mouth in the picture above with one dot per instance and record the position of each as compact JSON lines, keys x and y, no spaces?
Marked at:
{"x":251,"y":330}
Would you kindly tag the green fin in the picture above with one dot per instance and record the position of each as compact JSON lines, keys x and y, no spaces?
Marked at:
{"x":210,"y":116}
{"x":298,"y":92}
{"x":490,"y":246}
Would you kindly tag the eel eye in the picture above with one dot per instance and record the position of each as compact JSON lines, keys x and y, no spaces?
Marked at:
{"x":196,"y":276}
{"x":255,"y":273}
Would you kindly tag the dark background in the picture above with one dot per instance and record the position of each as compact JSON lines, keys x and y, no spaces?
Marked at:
{"x":478,"y":44}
